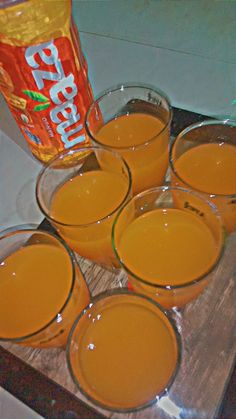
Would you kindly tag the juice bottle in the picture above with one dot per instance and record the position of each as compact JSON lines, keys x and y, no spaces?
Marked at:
{"x":43,"y":74}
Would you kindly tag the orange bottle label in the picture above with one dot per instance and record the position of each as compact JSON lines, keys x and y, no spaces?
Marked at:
{"x":46,"y":91}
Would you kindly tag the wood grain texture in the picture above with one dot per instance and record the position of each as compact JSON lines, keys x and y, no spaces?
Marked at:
{"x":207,"y":328}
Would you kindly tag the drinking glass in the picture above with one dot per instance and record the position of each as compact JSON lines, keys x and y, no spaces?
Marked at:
{"x":168,"y":240}
{"x":134,"y":120}
{"x":42,"y":288}
{"x":80,"y":192}
{"x":124,"y":351}
{"x":203,"y":158}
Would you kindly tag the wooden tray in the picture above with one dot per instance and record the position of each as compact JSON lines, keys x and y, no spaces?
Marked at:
{"x":40,"y":378}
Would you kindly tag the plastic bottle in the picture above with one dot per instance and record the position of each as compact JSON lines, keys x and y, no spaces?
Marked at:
{"x":43,"y":74}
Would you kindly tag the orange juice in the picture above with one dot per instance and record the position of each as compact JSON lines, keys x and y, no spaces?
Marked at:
{"x":43,"y":74}
{"x":85,"y":207}
{"x":35,"y":284}
{"x":142,"y":140}
{"x":167,"y":247}
{"x":211,"y":168}
{"x":125,"y":353}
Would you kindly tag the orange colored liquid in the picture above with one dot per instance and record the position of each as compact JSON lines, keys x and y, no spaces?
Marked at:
{"x":167,"y":247}
{"x":127,"y":352}
{"x":211,"y":168}
{"x":35,"y":283}
{"x":148,"y":160}
{"x":80,"y":203}
{"x":32,"y":24}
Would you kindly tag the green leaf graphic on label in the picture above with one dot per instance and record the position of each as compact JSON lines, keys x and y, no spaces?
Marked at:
{"x":41,"y":107}
{"x":35,"y":96}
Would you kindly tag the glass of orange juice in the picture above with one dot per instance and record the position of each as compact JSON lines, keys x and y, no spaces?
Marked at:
{"x":203,"y":158}
{"x":123,"y":351}
{"x":80,"y":197}
{"x":134,"y":120}
{"x":168,"y":240}
{"x":42,"y":289}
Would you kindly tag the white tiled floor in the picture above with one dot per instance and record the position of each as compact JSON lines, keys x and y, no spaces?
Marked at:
{"x":186,"y":47}
{"x":204,"y":27}
{"x":17,"y":173}
{"x":191,"y":82}
{"x":11,"y":408}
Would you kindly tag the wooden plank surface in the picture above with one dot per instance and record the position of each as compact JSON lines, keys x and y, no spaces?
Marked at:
{"x":207,"y":327}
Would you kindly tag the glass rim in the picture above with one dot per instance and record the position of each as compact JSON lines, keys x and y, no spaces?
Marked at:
{"x":57,"y":158}
{"x":121,"y":87}
{"x":167,"y":286}
{"x":32,"y":228}
{"x":176,"y":337}
{"x":226,"y":122}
